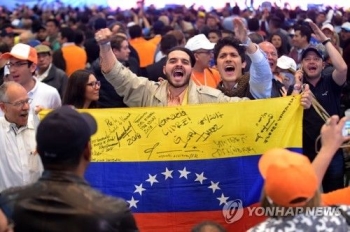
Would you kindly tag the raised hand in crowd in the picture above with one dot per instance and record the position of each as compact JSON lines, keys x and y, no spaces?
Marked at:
{"x":103,"y":36}
{"x":331,"y":139}
{"x":318,"y":34}
{"x":241,"y":33}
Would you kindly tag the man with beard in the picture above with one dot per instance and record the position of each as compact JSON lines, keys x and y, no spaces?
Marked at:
{"x":178,"y":89}
{"x":327,"y":90}
{"x":19,"y":165}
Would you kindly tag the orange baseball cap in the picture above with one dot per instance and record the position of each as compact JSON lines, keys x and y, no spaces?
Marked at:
{"x":23,"y":52}
{"x":290,"y":179}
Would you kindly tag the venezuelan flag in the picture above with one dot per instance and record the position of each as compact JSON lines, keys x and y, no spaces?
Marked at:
{"x":178,"y":166}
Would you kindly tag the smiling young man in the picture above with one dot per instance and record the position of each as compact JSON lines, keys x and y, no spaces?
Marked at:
{"x":327,"y":90}
{"x":18,"y":163}
{"x":229,"y":56}
{"x":22,"y":62}
{"x":178,"y":89}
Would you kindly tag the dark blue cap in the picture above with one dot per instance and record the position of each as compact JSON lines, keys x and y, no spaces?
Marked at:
{"x":64,"y":132}
{"x":313,"y":49}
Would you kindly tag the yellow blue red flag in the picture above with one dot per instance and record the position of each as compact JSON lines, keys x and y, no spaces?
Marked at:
{"x":178,"y":166}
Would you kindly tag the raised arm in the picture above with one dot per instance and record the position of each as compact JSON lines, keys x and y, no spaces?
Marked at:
{"x":340,"y":67}
{"x":260,"y":72}
{"x":107,"y":58}
{"x":134,"y":90}
{"x":331,"y":139}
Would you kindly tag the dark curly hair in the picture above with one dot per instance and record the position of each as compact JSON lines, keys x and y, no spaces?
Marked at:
{"x":229,"y":41}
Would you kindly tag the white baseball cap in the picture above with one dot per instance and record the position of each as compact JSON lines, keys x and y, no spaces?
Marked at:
{"x":22,"y":52}
{"x":199,"y":42}
{"x":346,"y":26}
{"x":328,"y":26}
{"x":285,"y":62}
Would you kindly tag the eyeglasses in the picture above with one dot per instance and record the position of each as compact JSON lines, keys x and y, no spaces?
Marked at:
{"x":20,"y":104}
{"x":204,"y":52}
{"x":16,"y":65}
{"x":94,"y":84}
{"x":287,"y":75}
{"x":272,"y":54}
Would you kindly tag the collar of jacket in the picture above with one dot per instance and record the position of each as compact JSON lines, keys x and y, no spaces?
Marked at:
{"x":62,"y":176}
{"x":162,"y":96}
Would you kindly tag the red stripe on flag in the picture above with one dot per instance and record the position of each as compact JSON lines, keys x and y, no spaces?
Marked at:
{"x":179,"y":222}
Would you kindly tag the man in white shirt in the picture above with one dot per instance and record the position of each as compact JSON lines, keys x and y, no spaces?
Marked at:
{"x":19,"y":165}
{"x":22,"y":62}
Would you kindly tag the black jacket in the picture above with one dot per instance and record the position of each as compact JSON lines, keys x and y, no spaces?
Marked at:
{"x":108,"y":96}
{"x":62,"y":201}
{"x":58,"y":79}
{"x":154,"y":71}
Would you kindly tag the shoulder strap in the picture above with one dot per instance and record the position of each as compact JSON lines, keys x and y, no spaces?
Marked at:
{"x":319,"y":108}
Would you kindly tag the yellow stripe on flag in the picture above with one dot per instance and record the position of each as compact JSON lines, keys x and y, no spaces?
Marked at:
{"x":192,"y":132}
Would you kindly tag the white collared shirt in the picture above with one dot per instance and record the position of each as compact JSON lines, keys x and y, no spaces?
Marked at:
{"x":18,"y":166}
{"x":44,"y":75}
{"x":44,"y":95}
{"x":68,"y":44}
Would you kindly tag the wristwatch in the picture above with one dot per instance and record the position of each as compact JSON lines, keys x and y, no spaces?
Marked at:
{"x":326,"y":41}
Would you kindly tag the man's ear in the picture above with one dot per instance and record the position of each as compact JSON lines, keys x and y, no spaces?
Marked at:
{"x":2,"y":107}
{"x":32,"y":68}
{"x":114,"y":51}
{"x":244,"y":64}
{"x":195,"y":55}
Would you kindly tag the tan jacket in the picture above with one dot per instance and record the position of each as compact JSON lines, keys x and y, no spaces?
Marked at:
{"x":139,"y":91}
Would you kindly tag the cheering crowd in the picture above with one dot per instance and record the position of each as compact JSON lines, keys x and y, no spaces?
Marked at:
{"x":66,"y":59}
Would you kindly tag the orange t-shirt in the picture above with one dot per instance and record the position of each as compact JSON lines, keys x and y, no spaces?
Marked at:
{"x":75,"y":58}
{"x":210,"y":77}
{"x":179,"y":100}
{"x":337,"y":197}
{"x":145,"y":49}
{"x":156,"y":39}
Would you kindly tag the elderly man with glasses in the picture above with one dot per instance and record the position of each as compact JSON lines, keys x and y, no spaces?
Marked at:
{"x":19,"y":165}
